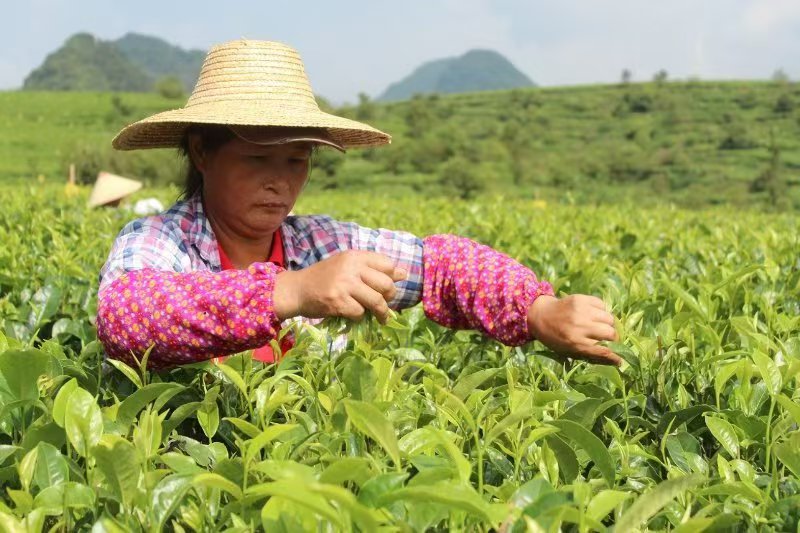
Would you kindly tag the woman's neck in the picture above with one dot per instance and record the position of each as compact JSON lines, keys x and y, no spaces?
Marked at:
{"x":242,"y":251}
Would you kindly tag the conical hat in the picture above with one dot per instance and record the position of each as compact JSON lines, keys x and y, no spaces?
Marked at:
{"x":110,"y":187}
{"x":248,"y":83}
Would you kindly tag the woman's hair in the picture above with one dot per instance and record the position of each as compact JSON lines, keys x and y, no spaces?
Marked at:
{"x":212,"y":138}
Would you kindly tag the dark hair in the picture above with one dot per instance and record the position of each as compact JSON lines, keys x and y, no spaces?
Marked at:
{"x":212,"y":138}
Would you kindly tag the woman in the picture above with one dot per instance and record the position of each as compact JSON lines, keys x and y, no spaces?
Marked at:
{"x":222,"y":270}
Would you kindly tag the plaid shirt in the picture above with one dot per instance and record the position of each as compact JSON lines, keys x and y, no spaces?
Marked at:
{"x":164,"y":287}
{"x":181,"y":240}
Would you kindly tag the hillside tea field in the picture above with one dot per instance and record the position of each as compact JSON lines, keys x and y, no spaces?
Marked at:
{"x":415,"y":427}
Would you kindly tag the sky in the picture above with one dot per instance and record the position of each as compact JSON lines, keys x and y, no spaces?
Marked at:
{"x":352,"y":46}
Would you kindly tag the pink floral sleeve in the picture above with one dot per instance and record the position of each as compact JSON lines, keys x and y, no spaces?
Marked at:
{"x":467,"y":285}
{"x":187,"y":317}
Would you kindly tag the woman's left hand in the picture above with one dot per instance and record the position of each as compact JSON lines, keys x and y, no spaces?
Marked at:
{"x":572,"y":326}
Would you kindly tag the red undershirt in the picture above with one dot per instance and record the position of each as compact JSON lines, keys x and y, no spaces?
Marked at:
{"x":276,"y":257}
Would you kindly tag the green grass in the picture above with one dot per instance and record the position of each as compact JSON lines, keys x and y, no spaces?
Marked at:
{"x":692,"y":143}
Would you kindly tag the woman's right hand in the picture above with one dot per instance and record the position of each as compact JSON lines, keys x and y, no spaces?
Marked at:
{"x":347,"y":285}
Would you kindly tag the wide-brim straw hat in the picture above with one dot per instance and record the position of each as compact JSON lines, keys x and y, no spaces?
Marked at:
{"x":248,"y":83}
{"x":109,"y":188}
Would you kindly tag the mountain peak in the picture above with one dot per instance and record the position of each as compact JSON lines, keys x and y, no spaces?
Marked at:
{"x":475,"y":70}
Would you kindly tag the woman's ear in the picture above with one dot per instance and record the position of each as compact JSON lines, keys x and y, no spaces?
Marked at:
{"x":196,"y":152}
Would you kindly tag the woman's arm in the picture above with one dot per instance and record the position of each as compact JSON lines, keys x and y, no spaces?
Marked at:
{"x":149,"y":297}
{"x":462,"y":284}
{"x":187,"y":317}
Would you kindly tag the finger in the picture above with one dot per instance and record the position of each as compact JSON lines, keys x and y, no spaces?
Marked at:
{"x":384,"y":264}
{"x":597,"y":354}
{"x":592,"y":301}
{"x":602,"y":332}
{"x":379,"y":262}
{"x":602,"y":316}
{"x":379,"y":282}
{"x":352,"y":310}
{"x":372,"y":301}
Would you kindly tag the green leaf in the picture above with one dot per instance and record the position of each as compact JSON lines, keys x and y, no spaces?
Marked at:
{"x":359,"y":378}
{"x":466,"y":385}
{"x":451,"y":495}
{"x":244,"y":426}
{"x":233,"y":375}
{"x":51,"y":466}
{"x":216,"y":481}
{"x":299,"y":492}
{"x":604,"y":502}
{"x":769,"y":371}
{"x":60,"y":402}
{"x":568,"y":466}
{"x":790,"y":406}
{"x":789,"y":455}
{"x":344,"y":469}
{"x":651,"y":502}
{"x":208,"y":417}
{"x":83,"y":421}
{"x":685,"y":451}
{"x":725,"y":434}
{"x":20,"y":371}
{"x":130,"y":406}
{"x":591,"y":444}
{"x":166,"y":497}
{"x":255,"y":445}
{"x":368,"y":420}
{"x":117,"y":459}
{"x":509,"y":421}
{"x":130,"y":373}
{"x":674,"y":419}
{"x":70,"y":495}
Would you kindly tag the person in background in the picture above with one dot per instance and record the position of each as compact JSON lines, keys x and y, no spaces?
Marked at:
{"x":109,"y":190}
{"x":223,"y":269}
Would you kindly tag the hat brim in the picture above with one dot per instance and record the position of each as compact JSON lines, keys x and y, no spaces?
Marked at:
{"x":167,"y":129}
{"x":275,"y":136}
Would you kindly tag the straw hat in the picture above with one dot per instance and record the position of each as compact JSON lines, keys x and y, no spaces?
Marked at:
{"x":248,"y":83}
{"x":109,"y":188}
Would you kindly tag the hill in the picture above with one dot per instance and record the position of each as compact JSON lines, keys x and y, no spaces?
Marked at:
{"x":84,"y":63}
{"x":132,"y":63}
{"x":476,"y":70}
{"x":160,"y":59}
{"x":691,"y":143}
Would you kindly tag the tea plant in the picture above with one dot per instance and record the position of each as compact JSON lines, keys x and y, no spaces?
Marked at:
{"x":412,"y":426}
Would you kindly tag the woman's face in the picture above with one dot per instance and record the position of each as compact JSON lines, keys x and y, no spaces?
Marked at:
{"x":251,"y":188}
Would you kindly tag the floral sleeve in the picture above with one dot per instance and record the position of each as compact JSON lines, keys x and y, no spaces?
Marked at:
{"x":187,"y":317}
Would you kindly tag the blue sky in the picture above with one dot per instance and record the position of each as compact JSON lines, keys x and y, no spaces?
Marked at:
{"x":351,"y":46}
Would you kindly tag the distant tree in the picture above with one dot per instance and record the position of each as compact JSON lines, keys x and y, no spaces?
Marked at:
{"x":784,"y":104}
{"x":122,"y":109}
{"x":458,"y":176}
{"x":770,"y":180}
{"x":365,"y":110}
{"x":737,"y":137}
{"x":780,"y":77}
{"x":170,"y":87}
{"x":418,"y":116}
{"x":325,"y":164}
{"x":324,"y":104}
{"x":660,"y":76}
{"x":627,"y":76}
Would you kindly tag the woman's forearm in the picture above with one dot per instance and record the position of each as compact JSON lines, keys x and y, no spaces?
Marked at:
{"x":187,"y":317}
{"x":467,"y":285}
